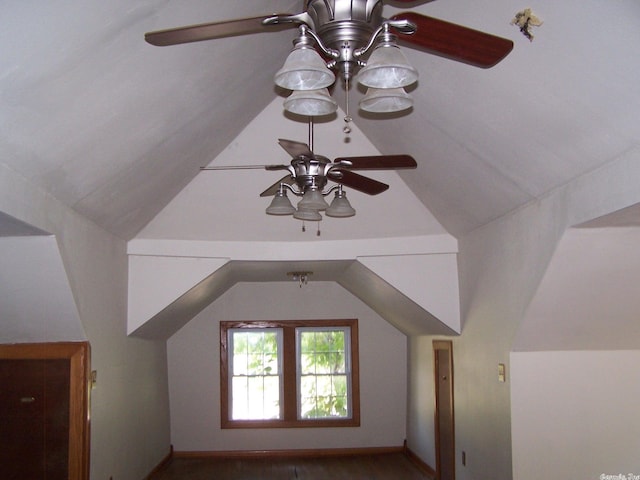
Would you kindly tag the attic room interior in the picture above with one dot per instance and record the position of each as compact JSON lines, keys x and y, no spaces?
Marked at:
{"x":513,"y":239}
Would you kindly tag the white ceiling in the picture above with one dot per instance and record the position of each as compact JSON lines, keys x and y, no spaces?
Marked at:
{"x":115,"y":128}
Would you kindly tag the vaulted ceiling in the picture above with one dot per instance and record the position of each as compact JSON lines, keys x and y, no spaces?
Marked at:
{"x":116,"y":128}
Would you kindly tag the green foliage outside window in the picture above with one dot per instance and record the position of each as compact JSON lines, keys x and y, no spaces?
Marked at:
{"x":255,"y":353}
{"x":323,"y":374}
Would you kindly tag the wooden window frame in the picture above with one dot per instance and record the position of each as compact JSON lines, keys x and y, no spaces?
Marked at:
{"x":289,"y":361}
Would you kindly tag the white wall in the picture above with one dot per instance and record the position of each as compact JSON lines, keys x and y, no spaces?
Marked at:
{"x":194,"y":381}
{"x":129,"y":406}
{"x":421,"y":399}
{"x":501,"y":266}
{"x":29,"y":265}
{"x":577,"y":408}
{"x":588,"y":298}
{"x":575,"y":414}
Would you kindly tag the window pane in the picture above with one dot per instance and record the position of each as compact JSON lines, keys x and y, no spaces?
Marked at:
{"x":324,"y":396}
{"x":255,"y":380}
{"x":307,"y":363}
{"x":323,"y":373}
{"x":240,"y":388}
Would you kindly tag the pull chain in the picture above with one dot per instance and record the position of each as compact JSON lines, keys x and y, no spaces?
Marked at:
{"x":304,"y":228}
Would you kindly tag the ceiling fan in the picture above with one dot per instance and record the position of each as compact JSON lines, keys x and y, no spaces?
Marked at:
{"x":310,"y":174}
{"x":351,"y":37}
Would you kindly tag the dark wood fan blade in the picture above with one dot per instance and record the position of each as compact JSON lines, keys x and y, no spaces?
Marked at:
{"x":380,"y":162}
{"x":454,"y":42}
{"x":209,"y":31}
{"x":273,"y":189}
{"x":295,"y":149}
{"x":358,"y":182}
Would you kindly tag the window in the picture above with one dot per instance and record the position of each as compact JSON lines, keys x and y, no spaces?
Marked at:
{"x":255,"y":373}
{"x":289,"y":374}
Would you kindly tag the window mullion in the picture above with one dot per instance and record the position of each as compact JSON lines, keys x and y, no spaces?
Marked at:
{"x":289,"y":374}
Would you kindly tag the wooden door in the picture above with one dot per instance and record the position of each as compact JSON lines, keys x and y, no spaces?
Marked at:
{"x":34,"y":414}
{"x":444,"y":418}
{"x":44,"y":429}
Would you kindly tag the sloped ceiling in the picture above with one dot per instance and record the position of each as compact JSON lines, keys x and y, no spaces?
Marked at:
{"x":31,"y":264}
{"x":565,"y":314}
{"x":384,"y":299}
{"x":115,"y":128}
{"x":12,"y":227}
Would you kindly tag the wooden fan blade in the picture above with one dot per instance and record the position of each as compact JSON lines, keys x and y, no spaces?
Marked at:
{"x":454,"y":42}
{"x":209,"y":31}
{"x":379,"y":162}
{"x":273,"y":189}
{"x":295,"y":149}
{"x":358,"y":182}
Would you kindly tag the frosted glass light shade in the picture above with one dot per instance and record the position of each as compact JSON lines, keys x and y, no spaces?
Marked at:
{"x":312,"y":200}
{"x":280,"y":205}
{"x":307,"y":215}
{"x":383,"y":100}
{"x":311,"y":103}
{"x":340,"y":206}
{"x":304,"y":69}
{"x":387,"y":68}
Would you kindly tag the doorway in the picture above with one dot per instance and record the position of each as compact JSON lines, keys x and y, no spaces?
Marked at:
{"x":44,"y":410}
{"x":444,"y":417}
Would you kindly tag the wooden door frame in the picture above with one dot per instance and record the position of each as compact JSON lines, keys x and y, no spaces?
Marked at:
{"x":443,"y":345}
{"x":78,"y":354}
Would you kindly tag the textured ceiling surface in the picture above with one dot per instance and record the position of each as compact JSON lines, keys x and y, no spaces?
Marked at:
{"x":115,"y":128}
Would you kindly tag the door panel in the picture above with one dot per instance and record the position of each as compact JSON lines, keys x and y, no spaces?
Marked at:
{"x":445,"y":431}
{"x":34,"y":414}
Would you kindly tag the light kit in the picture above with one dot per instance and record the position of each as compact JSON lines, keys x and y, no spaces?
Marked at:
{"x":351,"y":39}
